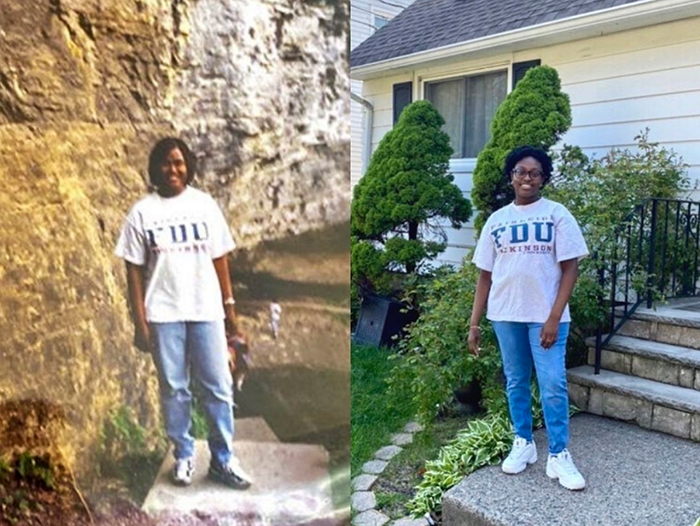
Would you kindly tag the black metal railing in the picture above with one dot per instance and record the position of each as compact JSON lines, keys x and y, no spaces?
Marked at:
{"x":654,"y":257}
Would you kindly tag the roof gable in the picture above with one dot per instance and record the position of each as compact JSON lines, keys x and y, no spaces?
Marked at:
{"x":431,"y":24}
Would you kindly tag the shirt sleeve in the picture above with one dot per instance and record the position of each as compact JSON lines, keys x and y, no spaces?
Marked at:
{"x":485,"y":253}
{"x":131,"y":245}
{"x":222,"y":241}
{"x":568,"y":238}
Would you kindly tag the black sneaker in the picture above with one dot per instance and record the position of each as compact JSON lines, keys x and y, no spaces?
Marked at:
{"x":231,"y":474}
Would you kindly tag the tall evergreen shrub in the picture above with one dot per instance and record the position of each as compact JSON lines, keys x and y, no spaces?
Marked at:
{"x":400,"y":203}
{"x":535,"y":113}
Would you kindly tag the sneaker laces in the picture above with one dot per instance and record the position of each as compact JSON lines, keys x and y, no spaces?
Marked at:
{"x":233,"y":466}
{"x":183,"y":467}
{"x":518,"y":444}
{"x":566,"y":462}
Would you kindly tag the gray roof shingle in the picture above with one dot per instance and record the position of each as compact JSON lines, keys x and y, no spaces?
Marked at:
{"x":430,"y":24}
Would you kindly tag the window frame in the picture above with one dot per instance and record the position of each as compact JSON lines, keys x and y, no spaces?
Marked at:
{"x":423,"y":80}
{"x":382,"y":14}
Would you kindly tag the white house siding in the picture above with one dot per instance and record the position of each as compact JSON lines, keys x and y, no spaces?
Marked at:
{"x":361,"y":20}
{"x":618,"y":84}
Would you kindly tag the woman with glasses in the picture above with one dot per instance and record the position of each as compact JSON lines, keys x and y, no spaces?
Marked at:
{"x":528,"y":256}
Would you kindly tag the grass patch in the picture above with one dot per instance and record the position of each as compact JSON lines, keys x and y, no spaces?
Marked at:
{"x":396,"y":486}
{"x":373,"y":415}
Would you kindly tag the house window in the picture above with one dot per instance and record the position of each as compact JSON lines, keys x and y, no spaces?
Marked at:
{"x":380,"y":21}
{"x":402,"y":97}
{"x":520,"y":68}
{"x":468,"y":105}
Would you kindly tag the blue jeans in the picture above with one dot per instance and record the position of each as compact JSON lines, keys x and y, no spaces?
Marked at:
{"x":200,"y":348}
{"x":520,"y":349}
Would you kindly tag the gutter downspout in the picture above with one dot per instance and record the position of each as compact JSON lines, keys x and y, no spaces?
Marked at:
{"x":367,"y":125}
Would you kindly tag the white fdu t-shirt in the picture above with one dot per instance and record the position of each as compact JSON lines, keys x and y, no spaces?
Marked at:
{"x":176,"y":238}
{"x":522,"y":247}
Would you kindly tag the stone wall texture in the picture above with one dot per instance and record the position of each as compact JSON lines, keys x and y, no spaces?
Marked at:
{"x":259,"y":89}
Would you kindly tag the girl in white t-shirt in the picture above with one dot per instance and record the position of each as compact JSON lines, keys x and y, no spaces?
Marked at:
{"x":528,"y":255}
{"x":175,"y":242}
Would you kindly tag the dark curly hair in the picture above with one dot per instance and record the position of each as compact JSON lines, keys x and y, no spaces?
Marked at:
{"x":159,"y":154}
{"x":538,"y":154}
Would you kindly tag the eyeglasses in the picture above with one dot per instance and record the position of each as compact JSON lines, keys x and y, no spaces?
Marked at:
{"x":521,"y":172}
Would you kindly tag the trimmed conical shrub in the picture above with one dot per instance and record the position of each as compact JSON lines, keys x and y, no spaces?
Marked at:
{"x":535,"y":113}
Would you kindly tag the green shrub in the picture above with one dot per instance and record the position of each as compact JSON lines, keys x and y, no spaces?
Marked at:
{"x":600,"y":193}
{"x":407,"y":189}
{"x":535,"y":113}
{"x":433,"y":358}
{"x":484,"y":442}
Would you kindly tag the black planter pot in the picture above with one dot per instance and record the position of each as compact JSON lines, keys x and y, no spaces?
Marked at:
{"x":381,"y":319}
{"x":469,"y":396}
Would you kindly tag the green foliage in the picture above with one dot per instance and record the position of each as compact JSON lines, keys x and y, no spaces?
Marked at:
{"x":374,"y":412}
{"x":122,"y":434}
{"x":128,"y":453}
{"x":484,"y":442}
{"x":200,"y":428}
{"x":397,"y":204}
{"x":20,"y":480}
{"x":36,"y":469}
{"x":434,"y":359}
{"x":601,"y":193}
{"x":535,"y":113}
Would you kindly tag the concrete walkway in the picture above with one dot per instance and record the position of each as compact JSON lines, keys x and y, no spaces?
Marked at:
{"x":635,"y":477}
{"x":291,"y":484}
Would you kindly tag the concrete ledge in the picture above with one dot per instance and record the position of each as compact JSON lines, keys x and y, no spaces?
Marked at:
{"x":651,"y":349}
{"x":671,"y":314}
{"x":666,"y":325}
{"x":634,"y":477}
{"x":670,"y":364}
{"x":291,"y":487}
{"x":671,"y":396}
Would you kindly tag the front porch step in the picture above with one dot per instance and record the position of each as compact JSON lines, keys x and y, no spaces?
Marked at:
{"x":667,"y":408}
{"x":665,"y":324}
{"x":662,"y":362}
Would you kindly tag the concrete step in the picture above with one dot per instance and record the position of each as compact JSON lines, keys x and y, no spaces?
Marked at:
{"x":634,"y":476}
{"x":667,"y":408}
{"x":665,"y":324}
{"x":669,"y":364}
{"x":291,"y":487}
{"x":253,"y":429}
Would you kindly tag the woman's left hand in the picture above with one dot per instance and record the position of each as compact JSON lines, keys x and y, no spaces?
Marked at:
{"x":550,"y":332}
{"x":231,"y":321}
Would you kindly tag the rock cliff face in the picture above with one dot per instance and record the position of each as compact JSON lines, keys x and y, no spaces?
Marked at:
{"x":259,"y":89}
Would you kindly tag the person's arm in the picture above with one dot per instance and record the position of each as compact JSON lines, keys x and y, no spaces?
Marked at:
{"x":550,"y":329}
{"x":222,"y":272}
{"x":483,"y":286}
{"x":137,"y":302}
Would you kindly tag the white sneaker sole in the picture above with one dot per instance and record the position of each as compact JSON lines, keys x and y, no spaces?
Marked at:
{"x":520,"y":467}
{"x":571,"y":487}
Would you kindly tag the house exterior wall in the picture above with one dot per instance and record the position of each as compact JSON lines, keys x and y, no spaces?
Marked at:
{"x":619,"y":84}
{"x":361,"y":27}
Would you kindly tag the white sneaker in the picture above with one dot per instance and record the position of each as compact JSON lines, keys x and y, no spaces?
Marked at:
{"x":183,"y":471}
{"x":521,"y":454}
{"x":561,"y":466}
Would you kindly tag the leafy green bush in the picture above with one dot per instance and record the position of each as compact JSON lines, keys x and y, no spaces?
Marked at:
{"x":600,"y":193}
{"x":396,"y":204}
{"x":484,"y":442}
{"x":433,"y":358}
{"x":535,"y":113}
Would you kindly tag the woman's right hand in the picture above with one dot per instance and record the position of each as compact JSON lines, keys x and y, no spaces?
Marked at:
{"x":142,"y":337}
{"x":474,"y":340}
